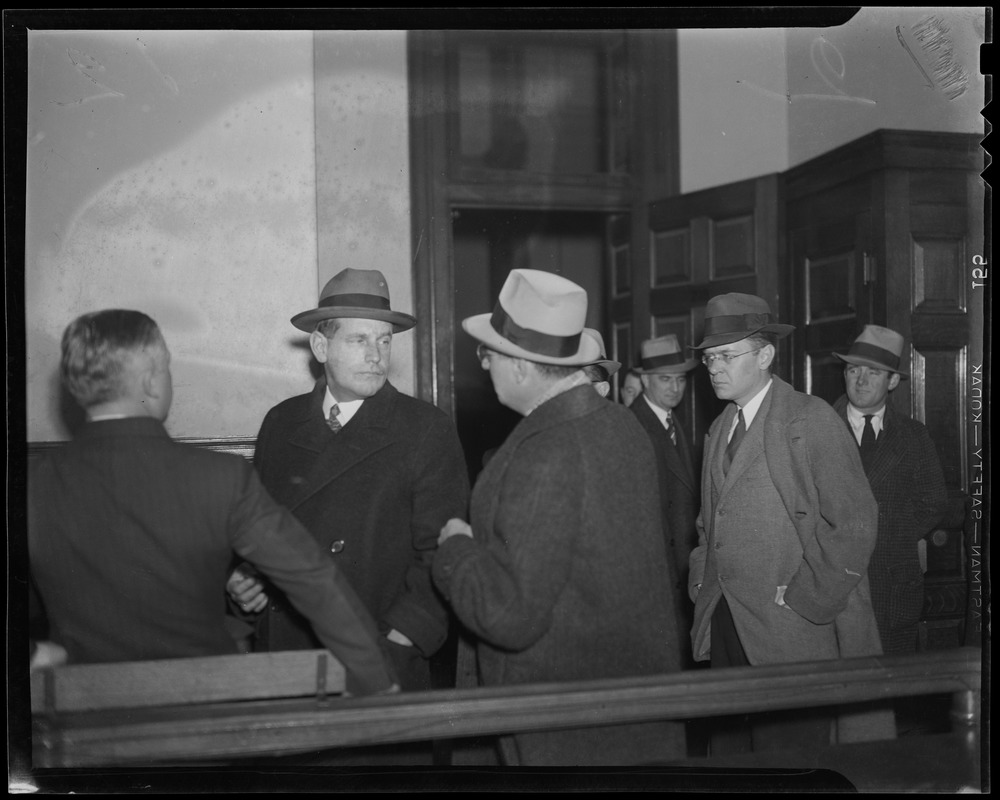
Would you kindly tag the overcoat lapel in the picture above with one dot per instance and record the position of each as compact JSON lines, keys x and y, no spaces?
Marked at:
{"x":717,"y":448}
{"x":888,"y":452}
{"x":752,"y":446}
{"x":677,"y":458}
{"x":366,"y":434}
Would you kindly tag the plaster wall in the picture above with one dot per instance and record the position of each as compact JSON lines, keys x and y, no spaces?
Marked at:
{"x":175,"y":172}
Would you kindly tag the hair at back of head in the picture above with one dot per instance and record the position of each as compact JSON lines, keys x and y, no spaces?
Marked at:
{"x":96,"y":348}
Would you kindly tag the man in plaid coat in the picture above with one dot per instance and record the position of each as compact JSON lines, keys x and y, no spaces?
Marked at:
{"x":905,"y":474}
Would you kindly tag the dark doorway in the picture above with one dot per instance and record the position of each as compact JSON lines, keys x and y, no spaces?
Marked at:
{"x":488,"y":244}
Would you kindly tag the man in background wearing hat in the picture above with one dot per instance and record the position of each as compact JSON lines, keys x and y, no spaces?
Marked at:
{"x":562,"y":574}
{"x":663,"y":370}
{"x":786,"y":528}
{"x":601,"y":371}
{"x":373,"y":475}
{"x":905,"y":474}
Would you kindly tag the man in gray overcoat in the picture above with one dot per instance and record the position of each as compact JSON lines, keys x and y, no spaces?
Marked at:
{"x":563,"y":573}
{"x":786,"y":528}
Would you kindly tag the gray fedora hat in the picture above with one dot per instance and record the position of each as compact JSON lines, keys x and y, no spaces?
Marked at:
{"x":735,"y":316}
{"x":878,"y":347}
{"x":358,"y":294}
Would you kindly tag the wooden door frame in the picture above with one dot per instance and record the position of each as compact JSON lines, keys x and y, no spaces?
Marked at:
{"x":651,"y":66}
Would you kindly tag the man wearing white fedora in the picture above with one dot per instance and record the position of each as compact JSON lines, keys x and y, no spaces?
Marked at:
{"x":372,"y":473}
{"x":562,"y":574}
{"x":906,"y":478}
{"x":663,"y":369}
{"x":785,"y":532}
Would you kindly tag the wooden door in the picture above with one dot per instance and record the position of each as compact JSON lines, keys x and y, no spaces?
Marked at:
{"x":701,"y":244}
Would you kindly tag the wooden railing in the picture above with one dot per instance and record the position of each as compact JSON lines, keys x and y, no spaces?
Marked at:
{"x":110,"y":733}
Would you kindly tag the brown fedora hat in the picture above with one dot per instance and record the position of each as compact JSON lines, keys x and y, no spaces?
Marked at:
{"x":358,"y":294}
{"x":877,"y":347}
{"x":735,"y":316}
{"x":663,"y":356}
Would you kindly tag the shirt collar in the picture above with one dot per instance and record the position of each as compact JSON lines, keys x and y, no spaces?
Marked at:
{"x":346,"y":409}
{"x":661,"y":414}
{"x":753,"y":406}
{"x":857,"y":418}
{"x":578,"y":378}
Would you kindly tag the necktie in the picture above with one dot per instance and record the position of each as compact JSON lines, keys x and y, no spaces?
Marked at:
{"x":332,"y":420}
{"x":734,"y":443}
{"x":867,"y":442}
{"x":670,"y":429}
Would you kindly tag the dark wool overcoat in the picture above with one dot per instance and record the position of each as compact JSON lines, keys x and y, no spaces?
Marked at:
{"x":566,"y":575}
{"x":375,"y":496}
{"x":131,"y":536}
{"x":908,"y":483}
{"x":679,"y":488}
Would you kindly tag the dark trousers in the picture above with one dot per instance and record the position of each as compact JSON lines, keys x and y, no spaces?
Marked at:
{"x":765,"y":731}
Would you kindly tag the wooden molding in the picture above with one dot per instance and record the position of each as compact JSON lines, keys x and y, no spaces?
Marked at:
{"x":240,"y":446}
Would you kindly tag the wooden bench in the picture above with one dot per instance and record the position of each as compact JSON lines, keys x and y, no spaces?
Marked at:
{"x":272,"y":727}
{"x":186,"y":681}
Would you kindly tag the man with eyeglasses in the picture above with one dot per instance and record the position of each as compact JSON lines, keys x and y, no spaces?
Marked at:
{"x":785,"y":534}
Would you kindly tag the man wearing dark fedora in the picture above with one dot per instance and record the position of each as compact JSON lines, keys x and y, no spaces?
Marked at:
{"x":906,"y":478}
{"x":372,"y":473}
{"x":562,"y":574}
{"x":663,"y":370}
{"x":786,"y":529}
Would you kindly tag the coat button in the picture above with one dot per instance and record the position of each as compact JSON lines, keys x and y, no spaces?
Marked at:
{"x":337,"y":546}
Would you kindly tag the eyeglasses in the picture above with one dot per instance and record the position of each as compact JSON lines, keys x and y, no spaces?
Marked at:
{"x":725,"y":358}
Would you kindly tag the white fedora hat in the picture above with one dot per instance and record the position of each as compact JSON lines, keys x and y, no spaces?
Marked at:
{"x":540,"y":316}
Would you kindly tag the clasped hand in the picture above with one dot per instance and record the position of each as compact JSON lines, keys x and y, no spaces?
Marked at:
{"x":247,"y":590}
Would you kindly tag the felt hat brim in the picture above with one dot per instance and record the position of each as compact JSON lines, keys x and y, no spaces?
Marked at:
{"x":719,"y":339}
{"x":306,"y":321}
{"x":861,"y":361}
{"x":670,"y":369}
{"x":609,"y":366}
{"x":479,"y":327}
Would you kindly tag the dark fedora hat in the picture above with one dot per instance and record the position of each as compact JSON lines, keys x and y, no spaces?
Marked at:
{"x":878,"y":347}
{"x":735,"y":316}
{"x":358,"y":294}
{"x":664,"y":356}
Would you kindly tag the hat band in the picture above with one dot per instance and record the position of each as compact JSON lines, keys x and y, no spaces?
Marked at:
{"x":736,"y":323}
{"x":356,"y":301}
{"x":876,"y":353}
{"x":544,"y":344}
{"x":668,"y":360}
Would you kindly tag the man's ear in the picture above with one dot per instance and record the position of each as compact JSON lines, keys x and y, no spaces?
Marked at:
{"x":644,"y":380}
{"x":766,"y":356}
{"x":894,"y":381}
{"x":318,"y":344}
{"x":521,"y":368}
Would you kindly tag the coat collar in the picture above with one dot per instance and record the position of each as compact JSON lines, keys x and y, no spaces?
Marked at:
{"x":367,"y":433}
{"x":676,"y":459}
{"x":888,"y":452}
{"x":125,"y":426}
